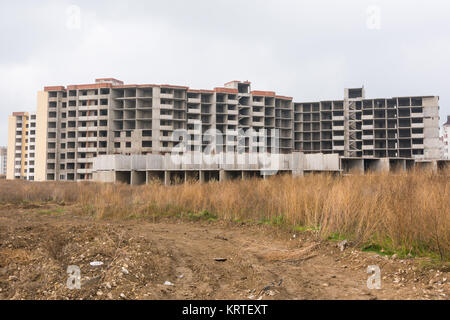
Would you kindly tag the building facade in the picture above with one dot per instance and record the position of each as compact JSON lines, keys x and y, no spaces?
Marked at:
{"x":446,"y":138}
{"x":21,"y":146}
{"x":77,"y":123}
{"x":405,"y":127}
{"x":3,"y":160}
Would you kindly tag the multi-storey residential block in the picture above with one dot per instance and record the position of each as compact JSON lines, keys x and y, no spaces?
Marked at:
{"x":77,"y":123}
{"x":21,"y":146}
{"x":406,"y":127}
{"x":3,"y":160}
{"x":446,"y":138}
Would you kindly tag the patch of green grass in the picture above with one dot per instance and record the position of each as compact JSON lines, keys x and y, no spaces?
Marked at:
{"x":435,"y":263}
{"x":88,"y":209}
{"x":274,"y":221}
{"x":376,"y":248}
{"x":51,"y":212}
{"x":203,"y":215}
{"x":337,"y":237}
{"x":278,"y":221}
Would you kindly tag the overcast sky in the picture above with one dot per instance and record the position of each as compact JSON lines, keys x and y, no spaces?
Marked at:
{"x":310,"y":50}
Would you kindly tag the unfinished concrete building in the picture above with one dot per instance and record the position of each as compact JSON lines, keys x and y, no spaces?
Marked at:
{"x":80,"y":122}
{"x":446,"y":139}
{"x":21,"y":146}
{"x":3,"y":160}
{"x":402,"y":127}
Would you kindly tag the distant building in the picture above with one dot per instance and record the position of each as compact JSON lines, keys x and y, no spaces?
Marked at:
{"x":3,"y":160}
{"x":446,"y":138}
{"x":77,"y":123}
{"x":21,"y":146}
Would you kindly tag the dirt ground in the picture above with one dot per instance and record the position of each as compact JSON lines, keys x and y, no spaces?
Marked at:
{"x":200,"y":259}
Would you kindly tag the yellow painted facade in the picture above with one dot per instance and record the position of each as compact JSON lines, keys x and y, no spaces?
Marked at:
{"x":41,"y":136}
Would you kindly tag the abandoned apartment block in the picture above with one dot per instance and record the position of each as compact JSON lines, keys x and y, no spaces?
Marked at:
{"x":77,"y":123}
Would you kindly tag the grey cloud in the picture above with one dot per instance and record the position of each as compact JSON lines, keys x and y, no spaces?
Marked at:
{"x":306,"y":49}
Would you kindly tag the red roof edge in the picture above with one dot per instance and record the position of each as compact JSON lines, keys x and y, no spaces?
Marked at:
{"x":226,"y":90}
{"x":263,"y":93}
{"x":54,"y":88}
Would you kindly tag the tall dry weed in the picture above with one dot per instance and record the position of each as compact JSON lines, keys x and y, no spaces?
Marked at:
{"x":407,"y":211}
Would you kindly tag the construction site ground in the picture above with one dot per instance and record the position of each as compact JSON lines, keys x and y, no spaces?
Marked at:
{"x":173,"y":258}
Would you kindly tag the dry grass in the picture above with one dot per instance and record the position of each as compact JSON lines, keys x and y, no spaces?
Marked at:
{"x":405,"y":213}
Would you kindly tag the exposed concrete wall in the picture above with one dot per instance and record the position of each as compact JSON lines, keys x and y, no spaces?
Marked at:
{"x":321,"y":162}
{"x":104,"y":176}
{"x":431,"y":127}
{"x":296,"y":164}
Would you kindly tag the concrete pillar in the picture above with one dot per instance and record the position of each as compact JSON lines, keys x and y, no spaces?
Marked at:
{"x":383,"y":165}
{"x":167,"y":178}
{"x":434,"y":166}
{"x":223,"y":176}
{"x":201,"y":176}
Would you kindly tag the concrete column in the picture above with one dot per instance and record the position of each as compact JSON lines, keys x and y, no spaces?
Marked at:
{"x":133,"y":178}
{"x":434,"y":166}
{"x":167,"y":178}
{"x":223,"y":175}
{"x":384,"y":165}
{"x":201,"y":176}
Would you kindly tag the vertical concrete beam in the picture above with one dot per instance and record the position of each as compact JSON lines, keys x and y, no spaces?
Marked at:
{"x":133,"y":178}
{"x":223,"y":176}
{"x":201,"y":176}
{"x":383,"y":165}
{"x":167,"y":178}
